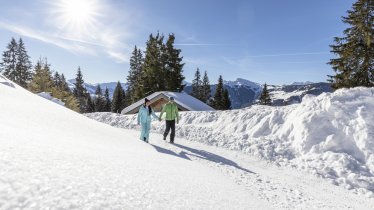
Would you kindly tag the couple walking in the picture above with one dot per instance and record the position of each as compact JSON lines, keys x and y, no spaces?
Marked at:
{"x":145,"y":117}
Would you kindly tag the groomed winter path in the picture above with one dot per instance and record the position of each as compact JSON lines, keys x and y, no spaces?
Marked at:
{"x":53,"y":158}
{"x":280,"y":188}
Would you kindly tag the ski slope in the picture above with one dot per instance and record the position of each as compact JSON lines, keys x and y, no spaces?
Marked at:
{"x":54,"y":158}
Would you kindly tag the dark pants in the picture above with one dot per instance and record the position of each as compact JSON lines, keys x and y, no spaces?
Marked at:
{"x":170,"y":124}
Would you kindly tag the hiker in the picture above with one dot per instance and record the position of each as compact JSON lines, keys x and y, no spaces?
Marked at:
{"x":144,"y":118}
{"x":171,"y":111}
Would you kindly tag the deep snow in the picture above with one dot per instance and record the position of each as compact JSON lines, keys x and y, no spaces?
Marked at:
{"x":54,"y":158}
{"x":331,"y":135}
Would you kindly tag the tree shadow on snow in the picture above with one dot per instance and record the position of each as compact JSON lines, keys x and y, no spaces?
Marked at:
{"x":212,"y":157}
{"x":169,"y":152}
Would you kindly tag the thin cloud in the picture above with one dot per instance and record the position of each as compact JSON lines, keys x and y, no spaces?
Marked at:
{"x":288,"y":54}
{"x":104,"y":34}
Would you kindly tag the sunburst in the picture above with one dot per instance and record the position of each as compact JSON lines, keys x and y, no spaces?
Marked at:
{"x":78,"y":16}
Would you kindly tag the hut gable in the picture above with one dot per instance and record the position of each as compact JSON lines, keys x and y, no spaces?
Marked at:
{"x":184,"y":102}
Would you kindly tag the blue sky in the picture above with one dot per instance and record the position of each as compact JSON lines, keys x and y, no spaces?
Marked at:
{"x":271,"y":41}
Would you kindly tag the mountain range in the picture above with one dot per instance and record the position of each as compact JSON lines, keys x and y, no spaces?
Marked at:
{"x":243,"y":92}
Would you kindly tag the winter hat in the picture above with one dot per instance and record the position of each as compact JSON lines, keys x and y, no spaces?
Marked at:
{"x":146,"y":100}
{"x":171,"y":98}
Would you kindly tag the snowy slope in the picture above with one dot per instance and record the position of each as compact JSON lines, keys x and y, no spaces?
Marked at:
{"x":291,"y":94}
{"x":330,"y":135}
{"x":54,"y":158}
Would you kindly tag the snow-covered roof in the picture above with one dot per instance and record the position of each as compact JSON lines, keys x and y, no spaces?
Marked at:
{"x":182,"y":99}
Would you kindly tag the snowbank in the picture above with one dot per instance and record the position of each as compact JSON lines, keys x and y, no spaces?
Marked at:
{"x":330,"y":135}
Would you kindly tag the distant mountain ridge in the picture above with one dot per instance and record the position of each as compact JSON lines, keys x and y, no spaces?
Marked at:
{"x":242,"y":92}
{"x":91,"y":88}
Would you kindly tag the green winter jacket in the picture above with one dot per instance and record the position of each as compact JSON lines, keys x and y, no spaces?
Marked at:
{"x":171,"y":111}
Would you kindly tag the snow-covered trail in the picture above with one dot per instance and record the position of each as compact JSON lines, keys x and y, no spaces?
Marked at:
{"x":280,"y":188}
{"x":54,"y":158}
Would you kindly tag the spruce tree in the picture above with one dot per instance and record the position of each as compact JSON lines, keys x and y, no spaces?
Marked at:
{"x":89,"y":104}
{"x":154,"y":76}
{"x":9,"y":61}
{"x":57,"y":79}
{"x":173,"y":66}
{"x":135,"y":78}
{"x":226,"y":100}
{"x":99,"y":100}
{"x":118,"y":101}
{"x":354,"y":65}
{"x":217,"y":101}
{"x":42,"y":79}
{"x":265,"y":98}
{"x":23,"y":72}
{"x":108,"y":103}
{"x":81,"y":94}
{"x":64,"y":84}
{"x":197,"y":86}
{"x":205,"y":92}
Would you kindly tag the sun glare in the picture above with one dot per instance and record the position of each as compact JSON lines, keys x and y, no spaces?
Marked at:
{"x":76,"y":14}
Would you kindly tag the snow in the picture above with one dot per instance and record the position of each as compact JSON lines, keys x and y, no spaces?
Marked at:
{"x":256,"y":87}
{"x":330,"y":135}
{"x":302,"y":83}
{"x":48,"y":96}
{"x":182,"y":99}
{"x":54,"y":158}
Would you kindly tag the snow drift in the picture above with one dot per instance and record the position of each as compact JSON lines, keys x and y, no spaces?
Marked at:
{"x":330,"y":135}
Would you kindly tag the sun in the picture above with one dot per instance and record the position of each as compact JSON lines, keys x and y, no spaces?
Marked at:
{"x":77,"y":15}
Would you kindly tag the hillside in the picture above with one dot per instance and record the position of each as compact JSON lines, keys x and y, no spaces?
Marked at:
{"x":54,"y":158}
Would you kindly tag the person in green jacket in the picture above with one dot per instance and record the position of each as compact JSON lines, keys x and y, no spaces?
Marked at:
{"x":171,"y":111}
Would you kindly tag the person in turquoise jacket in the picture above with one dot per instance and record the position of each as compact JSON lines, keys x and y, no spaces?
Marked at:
{"x":145,"y":115}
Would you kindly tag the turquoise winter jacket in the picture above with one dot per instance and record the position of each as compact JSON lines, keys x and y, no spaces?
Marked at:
{"x":143,"y":115}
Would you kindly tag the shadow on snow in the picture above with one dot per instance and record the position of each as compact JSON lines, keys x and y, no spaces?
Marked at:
{"x":202,"y":154}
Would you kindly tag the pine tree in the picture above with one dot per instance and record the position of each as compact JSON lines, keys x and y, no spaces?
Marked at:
{"x":42,"y":79}
{"x":108,"y":103}
{"x":99,"y":100}
{"x":9,"y":61}
{"x":23,"y":65}
{"x":81,"y":94}
{"x":64,"y":84}
{"x":89,"y":104}
{"x":154,"y":76}
{"x":205,"y":92}
{"x":118,"y":101}
{"x":57,"y":80}
{"x":217,"y":101}
{"x":265,"y":96}
{"x":226,"y":100}
{"x":135,"y":78}
{"x":173,"y":66}
{"x":354,"y":65}
{"x":197,"y":86}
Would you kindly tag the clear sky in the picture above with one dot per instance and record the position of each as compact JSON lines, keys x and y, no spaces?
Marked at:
{"x":273,"y":41}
